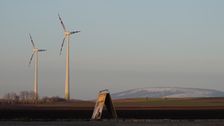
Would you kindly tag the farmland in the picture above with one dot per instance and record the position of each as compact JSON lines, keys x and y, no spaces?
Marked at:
{"x":136,"y":108}
{"x":166,"y":102}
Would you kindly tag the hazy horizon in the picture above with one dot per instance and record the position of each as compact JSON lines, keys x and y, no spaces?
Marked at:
{"x":122,"y":45}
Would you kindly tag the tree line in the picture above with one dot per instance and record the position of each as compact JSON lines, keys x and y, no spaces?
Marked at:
{"x":28,"y":97}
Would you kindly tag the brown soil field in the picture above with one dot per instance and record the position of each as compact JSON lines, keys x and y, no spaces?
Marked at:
{"x":186,"y":108}
{"x":130,"y":104}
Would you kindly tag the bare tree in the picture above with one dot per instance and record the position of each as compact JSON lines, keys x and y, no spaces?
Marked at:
{"x":14,"y":96}
{"x":22,"y":95}
{"x":11,"y":97}
{"x":6,"y":96}
{"x":27,"y":96}
{"x":31,"y":95}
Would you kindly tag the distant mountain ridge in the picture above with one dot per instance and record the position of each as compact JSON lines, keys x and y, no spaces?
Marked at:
{"x":167,"y":92}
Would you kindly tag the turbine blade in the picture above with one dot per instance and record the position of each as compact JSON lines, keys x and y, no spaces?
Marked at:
{"x":41,"y":50}
{"x":31,"y":39}
{"x":31,"y":58}
{"x":62,"y":45}
{"x":62,"y":22}
{"x":73,"y":32}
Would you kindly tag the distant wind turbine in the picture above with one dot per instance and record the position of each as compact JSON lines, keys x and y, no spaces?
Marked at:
{"x":67,"y":35}
{"x":35,"y":51}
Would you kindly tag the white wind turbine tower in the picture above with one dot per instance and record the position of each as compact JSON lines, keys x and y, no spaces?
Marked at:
{"x":35,"y":51}
{"x":67,"y":35}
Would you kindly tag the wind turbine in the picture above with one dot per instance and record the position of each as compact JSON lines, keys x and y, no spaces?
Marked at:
{"x":35,"y":51}
{"x":67,"y":35}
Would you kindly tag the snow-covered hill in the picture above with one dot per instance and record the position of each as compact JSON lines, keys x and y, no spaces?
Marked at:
{"x":168,"y":92}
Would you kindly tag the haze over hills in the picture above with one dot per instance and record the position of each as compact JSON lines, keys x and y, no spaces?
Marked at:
{"x":167,"y":92}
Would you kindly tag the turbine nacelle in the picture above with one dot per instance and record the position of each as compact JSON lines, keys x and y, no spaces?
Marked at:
{"x":38,"y":50}
{"x":67,"y":34}
{"x":35,"y":49}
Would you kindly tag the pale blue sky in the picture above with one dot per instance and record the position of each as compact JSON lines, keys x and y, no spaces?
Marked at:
{"x":123,"y":44}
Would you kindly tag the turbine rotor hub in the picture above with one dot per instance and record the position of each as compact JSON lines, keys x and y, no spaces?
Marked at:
{"x":67,"y":33}
{"x":35,"y":49}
